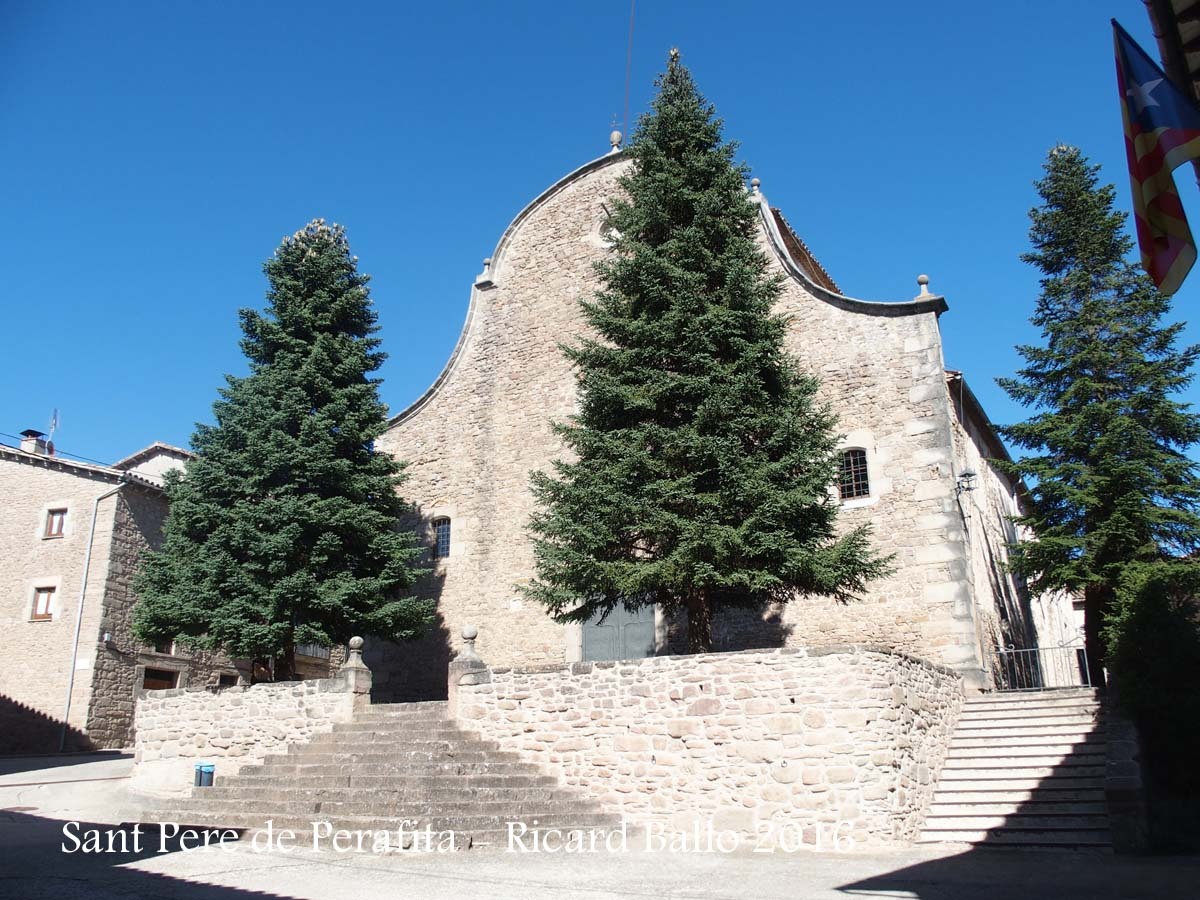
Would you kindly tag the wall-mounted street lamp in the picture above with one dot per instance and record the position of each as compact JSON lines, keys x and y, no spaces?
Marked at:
{"x":966,"y":482}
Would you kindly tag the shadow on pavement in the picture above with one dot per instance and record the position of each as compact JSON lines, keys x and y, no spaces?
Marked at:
{"x":33,"y":865}
{"x":14,"y":765}
{"x":1005,"y":874}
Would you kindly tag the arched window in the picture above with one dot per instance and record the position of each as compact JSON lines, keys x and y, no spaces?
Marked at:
{"x":441,"y":538}
{"x":852,"y":476}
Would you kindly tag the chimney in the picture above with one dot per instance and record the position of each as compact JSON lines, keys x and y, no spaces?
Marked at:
{"x":33,"y":441}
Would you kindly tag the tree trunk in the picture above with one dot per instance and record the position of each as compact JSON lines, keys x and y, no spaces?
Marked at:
{"x":285,"y":665}
{"x":1097,"y":599}
{"x":699,"y":633}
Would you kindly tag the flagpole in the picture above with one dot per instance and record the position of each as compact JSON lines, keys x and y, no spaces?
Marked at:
{"x":1171,"y":52}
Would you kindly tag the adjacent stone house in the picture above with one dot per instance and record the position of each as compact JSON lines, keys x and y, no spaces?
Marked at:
{"x":916,"y":445}
{"x":71,"y":539}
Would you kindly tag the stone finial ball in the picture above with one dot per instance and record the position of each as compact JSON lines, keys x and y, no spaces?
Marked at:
{"x":356,"y":643}
{"x":615,"y":138}
{"x":922,"y":280}
{"x":470,"y":632}
{"x":754,"y":182}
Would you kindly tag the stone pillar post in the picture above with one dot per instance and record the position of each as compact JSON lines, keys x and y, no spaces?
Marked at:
{"x":1124,"y":792}
{"x":466,"y":668}
{"x":355,"y":674}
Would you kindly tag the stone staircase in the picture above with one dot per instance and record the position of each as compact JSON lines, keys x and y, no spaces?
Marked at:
{"x":395,"y":766}
{"x":1024,"y":770}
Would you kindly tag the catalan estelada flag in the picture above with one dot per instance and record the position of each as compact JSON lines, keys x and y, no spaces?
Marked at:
{"x":1162,"y":131}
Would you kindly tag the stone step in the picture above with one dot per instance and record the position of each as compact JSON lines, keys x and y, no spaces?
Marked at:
{"x":442,"y":706}
{"x":1076,"y":692}
{"x":1084,"y":754}
{"x":1025,"y":701}
{"x":1017,"y":780}
{"x":941,"y":808}
{"x":423,"y":720}
{"x":1005,"y":717}
{"x":1050,"y":764}
{"x":516,"y":778}
{"x":404,"y":711}
{"x":1018,"y":729}
{"x":384,"y":808}
{"x":352,"y":730}
{"x":1032,"y":794}
{"x":307,"y":768}
{"x":300,"y":770}
{"x":1041,"y":823}
{"x":475,"y":824}
{"x":1007,"y":739}
{"x":1011,"y":711}
{"x":416,"y":790}
{"x":319,"y":757}
{"x":375,"y":742}
{"x":1021,"y":837}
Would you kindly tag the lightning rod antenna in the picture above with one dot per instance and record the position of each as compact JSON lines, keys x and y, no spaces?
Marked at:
{"x":628,"y":66}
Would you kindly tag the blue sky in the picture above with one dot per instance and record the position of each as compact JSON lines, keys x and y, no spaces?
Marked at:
{"x":153,"y":154}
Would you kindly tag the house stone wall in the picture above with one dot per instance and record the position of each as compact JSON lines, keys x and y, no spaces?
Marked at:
{"x":36,"y":665}
{"x":35,"y":670}
{"x":472,"y":441}
{"x":121,"y":660}
{"x":838,"y":748}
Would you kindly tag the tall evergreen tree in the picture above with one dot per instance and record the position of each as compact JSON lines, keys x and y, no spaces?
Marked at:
{"x":283,"y":531}
{"x":703,"y":459}
{"x":1110,"y":483}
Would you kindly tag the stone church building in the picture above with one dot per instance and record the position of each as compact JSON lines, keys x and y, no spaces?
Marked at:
{"x":914,"y":463}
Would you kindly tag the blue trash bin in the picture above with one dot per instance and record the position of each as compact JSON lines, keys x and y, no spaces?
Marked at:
{"x":204,"y":774}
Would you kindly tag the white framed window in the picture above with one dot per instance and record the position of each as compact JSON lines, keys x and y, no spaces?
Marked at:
{"x":43,"y":604}
{"x":56,"y":523}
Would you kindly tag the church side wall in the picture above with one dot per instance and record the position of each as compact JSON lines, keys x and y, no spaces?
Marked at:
{"x":1008,"y":615}
{"x":884,"y":378}
{"x":1002,"y":604}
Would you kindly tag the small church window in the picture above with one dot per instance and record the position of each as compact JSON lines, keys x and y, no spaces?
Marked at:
{"x":441,"y":535}
{"x":853,"y":481}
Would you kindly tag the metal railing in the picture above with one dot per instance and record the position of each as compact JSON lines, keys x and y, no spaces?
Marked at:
{"x":1042,"y":668}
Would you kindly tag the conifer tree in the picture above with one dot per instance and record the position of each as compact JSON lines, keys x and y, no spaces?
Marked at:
{"x":703,"y":460}
{"x":1110,"y":484}
{"x":283,"y":530}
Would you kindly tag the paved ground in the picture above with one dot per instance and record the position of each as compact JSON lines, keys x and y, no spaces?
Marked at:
{"x":38,"y":796}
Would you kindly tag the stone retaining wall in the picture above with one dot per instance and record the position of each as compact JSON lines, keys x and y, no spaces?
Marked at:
{"x":837,"y":748}
{"x":232,"y":727}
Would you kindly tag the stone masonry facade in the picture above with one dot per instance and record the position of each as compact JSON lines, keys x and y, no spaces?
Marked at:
{"x":108,"y":665}
{"x":34,"y":670}
{"x":473,"y":439}
{"x":838,"y":747}
{"x":230,"y":728}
